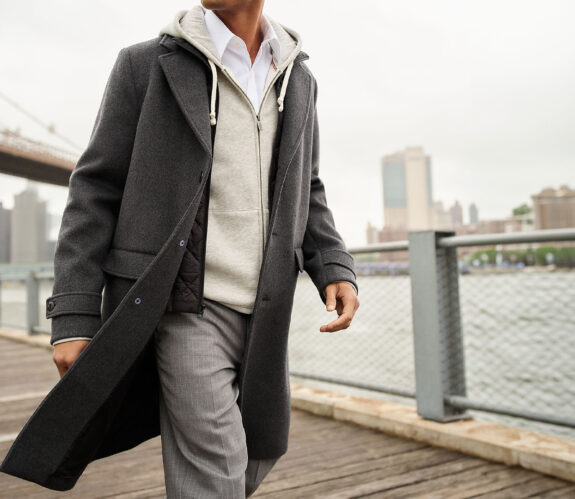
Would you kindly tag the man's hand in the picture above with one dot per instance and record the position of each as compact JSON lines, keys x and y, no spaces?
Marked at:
{"x":340,"y":296}
{"x":66,"y":353}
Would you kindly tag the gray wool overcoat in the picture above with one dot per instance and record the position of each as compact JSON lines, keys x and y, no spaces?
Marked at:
{"x":139,"y":182}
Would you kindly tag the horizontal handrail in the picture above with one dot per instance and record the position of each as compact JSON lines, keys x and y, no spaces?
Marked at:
{"x":532,"y":236}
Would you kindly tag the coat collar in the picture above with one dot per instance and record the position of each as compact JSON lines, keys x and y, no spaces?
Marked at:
{"x":189,"y":77}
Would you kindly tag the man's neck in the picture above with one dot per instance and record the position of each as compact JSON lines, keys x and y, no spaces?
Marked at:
{"x":245,"y":23}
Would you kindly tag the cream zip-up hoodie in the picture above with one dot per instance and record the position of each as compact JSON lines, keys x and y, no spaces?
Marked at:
{"x":238,"y":214}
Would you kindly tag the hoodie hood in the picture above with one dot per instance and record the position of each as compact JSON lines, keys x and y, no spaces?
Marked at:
{"x":190,"y":26}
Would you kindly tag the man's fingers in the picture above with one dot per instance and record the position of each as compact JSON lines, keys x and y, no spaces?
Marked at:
{"x":61,"y":370}
{"x":330,"y":292}
{"x":344,"y":320}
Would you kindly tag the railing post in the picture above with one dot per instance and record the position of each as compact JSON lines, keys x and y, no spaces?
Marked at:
{"x":438,"y":348}
{"x":32,"y":305}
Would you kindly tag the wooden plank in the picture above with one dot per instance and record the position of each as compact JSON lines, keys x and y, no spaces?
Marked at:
{"x":566,"y":492}
{"x":351,"y":472}
{"x":479,"y":480}
{"x":372,"y":481}
{"x":533,"y":487}
{"x":324,"y":458}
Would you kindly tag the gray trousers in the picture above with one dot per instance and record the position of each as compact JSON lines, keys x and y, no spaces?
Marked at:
{"x":203,"y":440}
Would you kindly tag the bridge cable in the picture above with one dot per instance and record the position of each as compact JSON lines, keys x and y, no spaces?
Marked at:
{"x":49,"y":128}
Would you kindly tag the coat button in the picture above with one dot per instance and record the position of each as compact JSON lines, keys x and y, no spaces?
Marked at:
{"x":182,"y":242}
{"x":51,"y":305}
{"x":138,"y":300}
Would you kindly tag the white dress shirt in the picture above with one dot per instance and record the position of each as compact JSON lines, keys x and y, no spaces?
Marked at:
{"x":234,"y":56}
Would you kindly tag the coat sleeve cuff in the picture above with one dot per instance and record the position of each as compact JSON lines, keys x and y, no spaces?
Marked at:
{"x":72,"y":326}
{"x":340,"y":257}
{"x":73,"y":302}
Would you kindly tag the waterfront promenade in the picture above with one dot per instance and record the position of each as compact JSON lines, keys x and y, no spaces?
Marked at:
{"x":326,"y":458}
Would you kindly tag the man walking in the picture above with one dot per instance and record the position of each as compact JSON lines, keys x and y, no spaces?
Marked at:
{"x":259,"y":215}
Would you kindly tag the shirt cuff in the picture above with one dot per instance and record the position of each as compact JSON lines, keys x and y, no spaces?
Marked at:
{"x":71,"y":339}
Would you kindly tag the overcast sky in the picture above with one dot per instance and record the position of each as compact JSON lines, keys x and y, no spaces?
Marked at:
{"x":486,"y":87}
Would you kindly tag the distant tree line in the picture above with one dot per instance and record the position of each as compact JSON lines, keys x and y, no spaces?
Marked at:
{"x":544,"y":255}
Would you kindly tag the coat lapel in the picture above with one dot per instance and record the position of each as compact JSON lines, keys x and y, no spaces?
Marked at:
{"x":297,"y":109}
{"x":187,"y":79}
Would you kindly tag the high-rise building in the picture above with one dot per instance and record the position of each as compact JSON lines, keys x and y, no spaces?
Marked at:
{"x":372,"y":233}
{"x":473,"y":214}
{"x":441,"y":218}
{"x":29,"y":221}
{"x":554,"y":208}
{"x":456,"y":213}
{"x":407,"y":191}
{"x":4,"y":234}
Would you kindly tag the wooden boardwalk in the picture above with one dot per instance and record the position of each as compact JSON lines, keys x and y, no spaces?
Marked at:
{"x":326,"y":458}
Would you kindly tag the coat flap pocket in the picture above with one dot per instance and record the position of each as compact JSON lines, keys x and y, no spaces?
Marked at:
{"x":126,"y":263}
{"x":299,"y":258}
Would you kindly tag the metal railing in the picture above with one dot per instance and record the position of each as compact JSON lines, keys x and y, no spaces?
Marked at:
{"x":498,"y":342}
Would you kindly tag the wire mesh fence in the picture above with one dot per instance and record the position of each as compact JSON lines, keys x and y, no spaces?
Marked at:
{"x":376,"y":350}
{"x":13,"y":304}
{"x":519,"y":341}
{"x":516,"y":347}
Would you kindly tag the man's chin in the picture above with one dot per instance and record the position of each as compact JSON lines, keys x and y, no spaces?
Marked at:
{"x":220,"y":4}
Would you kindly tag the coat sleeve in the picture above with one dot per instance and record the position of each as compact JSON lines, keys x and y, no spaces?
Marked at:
{"x":88,"y":223}
{"x":326,"y":258}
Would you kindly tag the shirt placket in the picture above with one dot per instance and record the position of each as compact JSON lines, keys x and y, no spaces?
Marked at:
{"x":251,"y":84}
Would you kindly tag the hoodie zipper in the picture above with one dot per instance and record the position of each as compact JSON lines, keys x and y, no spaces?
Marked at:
{"x":258,"y":131}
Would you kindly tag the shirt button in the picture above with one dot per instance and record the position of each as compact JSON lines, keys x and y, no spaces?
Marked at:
{"x":138,"y":300}
{"x":182,"y":242}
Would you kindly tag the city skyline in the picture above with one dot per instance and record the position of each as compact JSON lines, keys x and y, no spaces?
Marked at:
{"x":492,"y":105}
{"x":32,"y":222}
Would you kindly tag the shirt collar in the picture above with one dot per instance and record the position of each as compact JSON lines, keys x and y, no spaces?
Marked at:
{"x":221,"y":34}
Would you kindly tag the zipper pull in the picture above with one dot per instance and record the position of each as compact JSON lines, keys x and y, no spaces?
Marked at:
{"x":259,"y":124}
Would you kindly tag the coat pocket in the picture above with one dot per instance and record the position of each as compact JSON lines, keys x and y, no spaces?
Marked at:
{"x":126,"y":263}
{"x":299,"y":258}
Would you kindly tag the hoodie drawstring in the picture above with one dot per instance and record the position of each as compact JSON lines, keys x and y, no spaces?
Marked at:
{"x":214,"y":87}
{"x":280,"y":100}
{"x":284,"y":87}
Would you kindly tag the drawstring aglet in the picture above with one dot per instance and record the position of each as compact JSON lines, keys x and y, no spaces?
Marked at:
{"x":284,"y":87}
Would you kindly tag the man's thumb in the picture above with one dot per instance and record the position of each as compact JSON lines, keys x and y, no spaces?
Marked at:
{"x":330,"y":298}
